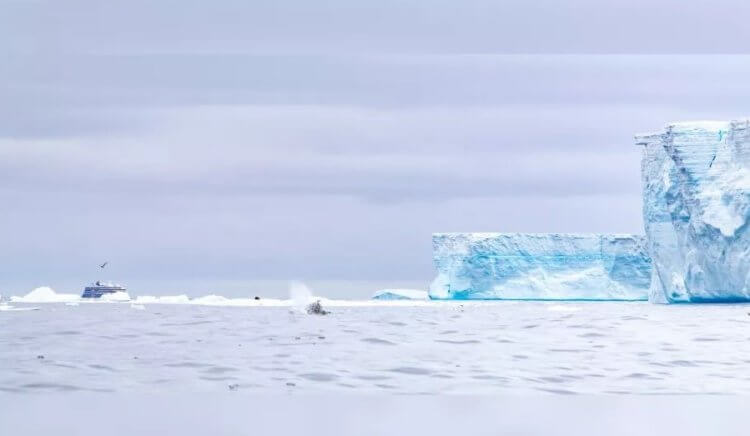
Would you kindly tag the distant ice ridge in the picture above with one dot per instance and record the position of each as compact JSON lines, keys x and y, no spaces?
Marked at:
{"x":400,"y":294}
{"x":45,"y":294}
{"x":549,"y":266}
{"x":300,"y":298}
{"x":696,"y":204}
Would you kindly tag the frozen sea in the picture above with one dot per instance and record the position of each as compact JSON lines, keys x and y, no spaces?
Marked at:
{"x":422,"y":347}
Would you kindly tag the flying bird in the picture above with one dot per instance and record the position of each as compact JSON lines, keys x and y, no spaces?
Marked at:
{"x":103,"y":265}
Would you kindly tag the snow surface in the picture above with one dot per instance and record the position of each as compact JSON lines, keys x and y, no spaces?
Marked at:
{"x":540,"y":266}
{"x":696,"y":204}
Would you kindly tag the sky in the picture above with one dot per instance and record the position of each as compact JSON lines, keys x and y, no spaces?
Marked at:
{"x":256,"y":140}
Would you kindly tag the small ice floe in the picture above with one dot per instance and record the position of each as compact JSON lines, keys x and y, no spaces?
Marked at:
{"x":116,"y":297}
{"x":211,"y":300}
{"x":315,"y":308}
{"x":220,"y":300}
{"x":164,"y":299}
{"x":9,"y":308}
{"x":137,"y":306}
{"x":5,"y":307}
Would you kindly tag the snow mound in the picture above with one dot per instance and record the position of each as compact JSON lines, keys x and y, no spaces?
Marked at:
{"x":45,"y":294}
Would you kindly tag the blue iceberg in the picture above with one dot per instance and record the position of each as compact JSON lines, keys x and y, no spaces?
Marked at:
{"x":696,"y":204}
{"x":400,"y":294}
{"x":502,"y":266}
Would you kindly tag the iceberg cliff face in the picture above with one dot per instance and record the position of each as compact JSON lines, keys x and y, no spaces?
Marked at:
{"x":696,"y":204}
{"x":540,"y":266}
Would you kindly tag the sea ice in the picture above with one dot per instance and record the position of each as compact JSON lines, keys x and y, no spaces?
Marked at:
{"x":118,"y":296}
{"x":540,"y":266}
{"x":162,"y":299}
{"x":696,"y":204}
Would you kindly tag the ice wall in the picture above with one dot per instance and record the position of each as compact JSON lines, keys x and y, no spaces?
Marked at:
{"x":540,"y":266}
{"x":696,"y":197}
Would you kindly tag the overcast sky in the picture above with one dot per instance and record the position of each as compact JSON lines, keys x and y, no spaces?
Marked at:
{"x":239,"y":140}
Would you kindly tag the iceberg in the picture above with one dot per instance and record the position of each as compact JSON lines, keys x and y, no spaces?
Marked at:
{"x":520,"y":266}
{"x":45,"y":294}
{"x":400,"y":294}
{"x":696,"y":204}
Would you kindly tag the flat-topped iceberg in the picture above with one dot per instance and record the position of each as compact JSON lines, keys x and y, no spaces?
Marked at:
{"x":696,"y":204}
{"x":400,"y":294}
{"x":540,"y":266}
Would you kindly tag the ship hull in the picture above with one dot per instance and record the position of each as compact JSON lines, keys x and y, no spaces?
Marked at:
{"x":98,"y":291}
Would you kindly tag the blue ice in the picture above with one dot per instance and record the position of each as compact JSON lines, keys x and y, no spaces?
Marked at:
{"x":549,"y":266}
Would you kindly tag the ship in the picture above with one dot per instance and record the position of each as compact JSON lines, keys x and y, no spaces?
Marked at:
{"x":99,"y":288}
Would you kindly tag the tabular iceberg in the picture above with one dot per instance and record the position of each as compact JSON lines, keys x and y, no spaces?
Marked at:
{"x":696,"y":204}
{"x":400,"y":294}
{"x":540,"y":266}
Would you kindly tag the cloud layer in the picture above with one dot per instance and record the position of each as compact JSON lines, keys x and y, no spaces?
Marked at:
{"x":280,"y":140}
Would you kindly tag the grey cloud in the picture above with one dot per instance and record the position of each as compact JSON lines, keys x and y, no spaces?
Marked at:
{"x":403,"y":26}
{"x":497,"y":176}
{"x":382,"y":155}
{"x":74,"y":95}
{"x":233,"y":140}
{"x":268,"y":237}
{"x":372,"y":80}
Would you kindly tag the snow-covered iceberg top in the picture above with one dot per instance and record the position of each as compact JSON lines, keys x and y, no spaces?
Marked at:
{"x":696,"y":204}
{"x":45,"y":294}
{"x":400,"y":294}
{"x":297,"y":302}
{"x":547,"y":266}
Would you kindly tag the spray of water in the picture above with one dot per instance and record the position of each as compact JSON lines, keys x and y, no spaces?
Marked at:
{"x":299,"y":291}
{"x":300,"y":295}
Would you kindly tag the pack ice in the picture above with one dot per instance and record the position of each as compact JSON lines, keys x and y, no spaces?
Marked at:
{"x":696,"y":197}
{"x":540,"y":266}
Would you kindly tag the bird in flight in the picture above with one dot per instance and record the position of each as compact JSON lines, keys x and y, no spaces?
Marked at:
{"x":103,"y":265}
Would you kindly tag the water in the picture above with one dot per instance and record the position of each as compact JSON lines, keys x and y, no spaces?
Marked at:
{"x":377,"y":347}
